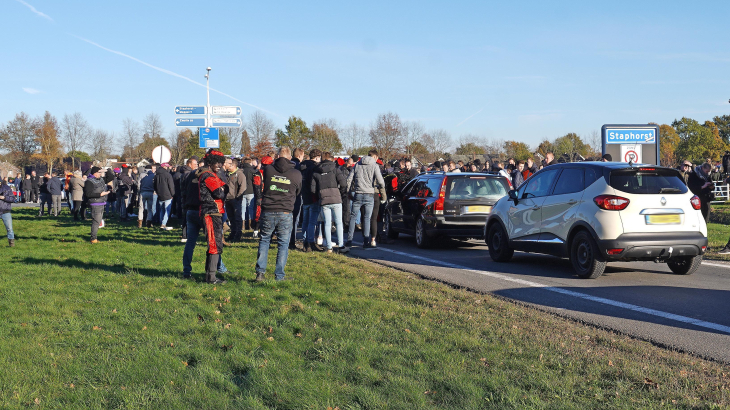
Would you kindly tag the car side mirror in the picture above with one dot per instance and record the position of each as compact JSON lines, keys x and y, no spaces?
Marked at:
{"x":513,"y":195}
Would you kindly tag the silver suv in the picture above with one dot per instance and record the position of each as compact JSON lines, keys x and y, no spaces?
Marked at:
{"x":598,"y":212}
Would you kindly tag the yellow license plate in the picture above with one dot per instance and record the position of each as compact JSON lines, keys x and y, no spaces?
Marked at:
{"x":663,"y":219}
{"x":477,"y":209}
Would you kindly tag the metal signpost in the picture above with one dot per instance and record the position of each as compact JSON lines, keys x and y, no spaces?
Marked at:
{"x":636,"y":143}
{"x":208,"y":134}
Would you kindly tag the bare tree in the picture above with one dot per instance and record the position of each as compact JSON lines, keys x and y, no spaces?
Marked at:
{"x":386,"y":134}
{"x":437,"y":142}
{"x":412,"y":132}
{"x":234,"y":137}
{"x":76,"y":133}
{"x":260,"y":128}
{"x":152,"y":125}
{"x":354,"y":137}
{"x":594,"y":141}
{"x":179,"y":140}
{"x":130,"y":138}
{"x":18,"y":137}
{"x":245,"y":147}
{"x":101,"y":145}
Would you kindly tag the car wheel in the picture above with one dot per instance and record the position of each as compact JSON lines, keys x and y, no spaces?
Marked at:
{"x":389,"y":232}
{"x":684,"y":265}
{"x":422,"y":239}
{"x":498,"y":243}
{"x":587,"y":260}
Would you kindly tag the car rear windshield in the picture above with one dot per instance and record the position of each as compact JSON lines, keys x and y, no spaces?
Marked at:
{"x":648,"y":181}
{"x":476,"y":187}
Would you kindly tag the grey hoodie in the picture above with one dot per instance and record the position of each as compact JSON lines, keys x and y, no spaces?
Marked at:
{"x":364,"y":176}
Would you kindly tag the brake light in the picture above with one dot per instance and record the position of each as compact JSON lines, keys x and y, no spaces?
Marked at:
{"x":611,"y":202}
{"x":614,"y":251}
{"x":438,"y":206}
{"x":695,"y":201}
{"x":647,"y":169}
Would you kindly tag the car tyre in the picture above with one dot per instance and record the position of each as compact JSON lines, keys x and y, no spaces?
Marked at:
{"x":422,"y":239}
{"x":587,"y":260}
{"x":389,"y":232}
{"x":684,"y":265}
{"x":498,"y":243}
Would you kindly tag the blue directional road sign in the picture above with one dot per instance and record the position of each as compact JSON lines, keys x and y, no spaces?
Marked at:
{"x":190,"y":122}
{"x":227,"y":122}
{"x":190,"y":110}
{"x":209,"y":138}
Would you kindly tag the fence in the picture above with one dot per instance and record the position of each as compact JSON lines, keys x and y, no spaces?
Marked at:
{"x":722,"y":193}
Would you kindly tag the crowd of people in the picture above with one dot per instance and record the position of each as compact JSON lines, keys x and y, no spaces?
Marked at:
{"x":329,"y":197}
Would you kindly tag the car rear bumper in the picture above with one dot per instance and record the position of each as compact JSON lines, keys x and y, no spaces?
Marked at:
{"x":650,"y":246}
{"x":457,"y":227}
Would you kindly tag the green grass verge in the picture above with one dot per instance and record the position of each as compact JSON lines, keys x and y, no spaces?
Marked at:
{"x":112,"y":325}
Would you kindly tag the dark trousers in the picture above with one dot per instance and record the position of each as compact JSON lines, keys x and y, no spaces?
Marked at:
{"x":77,"y":210}
{"x":35,"y":193}
{"x":374,"y":217}
{"x":97,"y":213}
{"x":705,"y":209}
{"x":234,"y":209}
{"x":295,"y":218}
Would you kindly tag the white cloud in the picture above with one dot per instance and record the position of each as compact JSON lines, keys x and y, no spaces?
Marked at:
{"x":34,"y":10}
{"x":31,"y":90}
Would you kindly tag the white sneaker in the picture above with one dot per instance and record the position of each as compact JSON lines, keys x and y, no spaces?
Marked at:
{"x":102,"y":224}
{"x":183,"y":240}
{"x":320,"y":241}
{"x":169,"y":228}
{"x":255,"y":234}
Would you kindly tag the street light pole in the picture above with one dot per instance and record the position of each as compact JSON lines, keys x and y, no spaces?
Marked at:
{"x":207,"y":86}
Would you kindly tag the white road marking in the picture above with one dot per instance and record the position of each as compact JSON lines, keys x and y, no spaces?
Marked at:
{"x":610,"y":302}
{"x":716,"y":265}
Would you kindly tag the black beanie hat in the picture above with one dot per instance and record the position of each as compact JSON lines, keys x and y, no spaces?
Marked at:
{"x":94,"y":170}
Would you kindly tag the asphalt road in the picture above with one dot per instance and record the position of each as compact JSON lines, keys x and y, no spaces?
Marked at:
{"x":642,"y":299}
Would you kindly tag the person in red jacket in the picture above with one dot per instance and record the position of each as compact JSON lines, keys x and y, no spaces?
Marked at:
{"x":212,"y":194}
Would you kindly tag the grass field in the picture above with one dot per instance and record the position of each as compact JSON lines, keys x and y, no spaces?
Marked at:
{"x":113,"y":325}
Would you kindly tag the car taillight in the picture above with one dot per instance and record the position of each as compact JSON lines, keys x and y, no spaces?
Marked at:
{"x":695,"y":201}
{"x":438,"y":206}
{"x":614,"y":251}
{"x":611,"y":202}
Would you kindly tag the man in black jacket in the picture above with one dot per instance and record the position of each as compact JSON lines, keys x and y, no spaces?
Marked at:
{"x":248,"y":204}
{"x":329,"y":184}
{"x":282,"y":183}
{"x":165,"y":189}
{"x":35,"y":182}
{"x":26,"y":188}
{"x":190,"y":166}
{"x":55,"y":189}
{"x":310,"y":203}
{"x":297,"y":158}
{"x":95,"y":191}
{"x":699,"y":183}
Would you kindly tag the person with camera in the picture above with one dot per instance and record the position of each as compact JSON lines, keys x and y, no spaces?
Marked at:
{"x":700,"y":184}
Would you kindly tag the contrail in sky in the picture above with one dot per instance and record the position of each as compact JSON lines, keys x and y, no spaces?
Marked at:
{"x":168,"y":72}
{"x":469,"y":117}
{"x":33,"y":9}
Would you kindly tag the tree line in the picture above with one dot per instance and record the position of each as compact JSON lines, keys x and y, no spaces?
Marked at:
{"x":26,"y":140}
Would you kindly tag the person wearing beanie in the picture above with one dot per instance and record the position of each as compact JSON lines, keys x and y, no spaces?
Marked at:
{"x":6,"y":199}
{"x":282,"y":183}
{"x":212,"y":194}
{"x":147,"y":193}
{"x":95,"y":191}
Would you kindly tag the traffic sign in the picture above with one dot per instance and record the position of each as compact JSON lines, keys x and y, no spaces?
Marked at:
{"x":225,"y":110}
{"x":631,"y":153}
{"x":190,"y":110}
{"x":190,"y":122}
{"x":227,"y":122}
{"x":208,"y":138}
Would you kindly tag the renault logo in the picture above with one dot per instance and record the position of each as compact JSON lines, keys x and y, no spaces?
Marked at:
{"x":663,"y":201}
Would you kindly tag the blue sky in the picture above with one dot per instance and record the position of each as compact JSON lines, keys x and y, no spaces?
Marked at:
{"x":503,"y":70}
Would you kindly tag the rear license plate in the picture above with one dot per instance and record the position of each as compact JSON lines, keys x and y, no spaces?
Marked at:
{"x":477,"y":209}
{"x":663,"y":219}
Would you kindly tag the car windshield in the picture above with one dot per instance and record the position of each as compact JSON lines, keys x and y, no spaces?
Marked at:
{"x":648,"y":181}
{"x":476,"y":187}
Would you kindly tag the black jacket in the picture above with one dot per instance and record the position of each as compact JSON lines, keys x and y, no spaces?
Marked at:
{"x":328,"y":183}
{"x":190,"y":191}
{"x":307,"y":169}
{"x":7,"y":192}
{"x":282,"y":183}
{"x":55,"y":186}
{"x":44,"y":186}
{"x":26,"y":185}
{"x":35,"y":181}
{"x":164,"y":185}
{"x":185,"y":172}
{"x":249,"y":172}
{"x":212,"y":192}
{"x":93,"y":188}
{"x":694,"y":183}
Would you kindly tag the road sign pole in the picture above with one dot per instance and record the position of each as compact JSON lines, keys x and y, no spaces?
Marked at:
{"x":207,"y":86}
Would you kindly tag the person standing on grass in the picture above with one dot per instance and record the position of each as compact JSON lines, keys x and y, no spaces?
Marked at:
{"x":328,"y":183}
{"x":44,"y":195}
{"x":147,"y":193}
{"x":297,"y":158}
{"x":26,"y":188}
{"x":189,"y":168}
{"x":95,"y":190}
{"x":55,"y":189}
{"x":35,"y":186}
{"x":212,"y":194}
{"x":234,"y":199}
{"x":76,"y":191}
{"x":6,"y":199}
{"x":310,"y":202}
{"x":248,"y":204}
{"x":281,"y":185}
{"x":165,"y":188}
{"x":361,"y":184}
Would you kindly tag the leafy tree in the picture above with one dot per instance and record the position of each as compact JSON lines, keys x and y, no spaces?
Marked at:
{"x":18,"y":137}
{"x":544,"y":147}
{"x":668,"y":142}
{"x":470,"y":148}
{"x":245,"y":144}
{"x":262,"y":148}
{"x":571,"y":143}
{"x":296,"y":135}
{"x":418,"y":149}
{"x":47,"y":140}
{"x":325,"y":137}
{"x":80,"y":156}
{"x":149,"y":143}
{"x":517,"y":150}
{"x":723,"y":125}
{"x":698,"y":142}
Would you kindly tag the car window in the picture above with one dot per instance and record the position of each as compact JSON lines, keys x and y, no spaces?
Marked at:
{"x":476,"y":187}
{"x":648,"y":181}
{"x":539,"y":185}
{"x":434,"y":186}
{"x":421,"y":189}
{"x":591,"y":177}
{"x":409,"y":187}
{"x":569,"y":181}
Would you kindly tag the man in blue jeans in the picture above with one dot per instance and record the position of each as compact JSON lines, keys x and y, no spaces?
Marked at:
{"x":165,"y":189}
{"x":281,"y":185}
{"x":361,"y":184}
{"x":310,"y":203}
